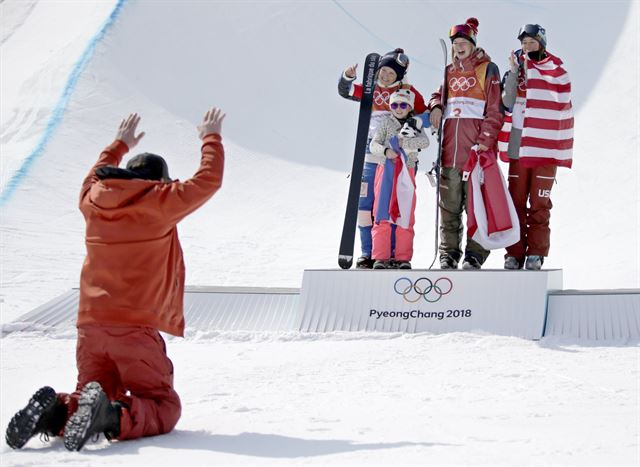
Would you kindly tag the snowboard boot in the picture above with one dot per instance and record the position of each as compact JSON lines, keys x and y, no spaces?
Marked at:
{"x":449,"y":261}
{"x":382,"y":264}
{"x":403,"y":265}
{"x":96,"y":414}
{"x":471,"y":263}
{"x":364,"y":262}
{"x":511,"y":262}
{"x":44,"y":414}
{"x":534,"y":262}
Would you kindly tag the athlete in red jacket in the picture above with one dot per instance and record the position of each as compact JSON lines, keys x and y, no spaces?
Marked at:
{"x":473,"y":115}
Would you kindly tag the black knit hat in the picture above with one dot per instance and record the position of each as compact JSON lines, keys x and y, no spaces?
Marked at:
{"x":397,"y":61}
{"x":145,"y":166}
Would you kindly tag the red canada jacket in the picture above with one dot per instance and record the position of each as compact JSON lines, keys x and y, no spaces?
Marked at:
{"x":473,"y":113}
{"x":133,"y":274}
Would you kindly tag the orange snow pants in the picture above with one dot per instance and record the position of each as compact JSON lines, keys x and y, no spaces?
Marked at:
{"x":132,"y":366}
{"x":532,"y":186}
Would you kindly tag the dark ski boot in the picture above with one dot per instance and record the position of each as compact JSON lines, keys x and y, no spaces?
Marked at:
{"x":511,"y":262}
{"x":96,"y":414}
{"x":382,"y":264}
{"x":364,"y":262}
{"x":471,"y":262}
{"x":43,"y":414}
{"x":448,"y":261}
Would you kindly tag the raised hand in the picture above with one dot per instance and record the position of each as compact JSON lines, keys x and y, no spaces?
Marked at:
{"x":513,"y":62}
{"x":127,"y":131}
{"x":351,"y":71}
{"x":211,"y":122}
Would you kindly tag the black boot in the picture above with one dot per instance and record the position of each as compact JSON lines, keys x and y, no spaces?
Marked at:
{"x":382,"y":264}
{"x":96,"y":414}
{"x":449,"y":260}
{"x":364,"y":262}
{"x":471,"y":262}
{"x":42,"y":414}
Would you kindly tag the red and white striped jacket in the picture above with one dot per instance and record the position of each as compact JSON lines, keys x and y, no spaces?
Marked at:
{"x":547,"y":128}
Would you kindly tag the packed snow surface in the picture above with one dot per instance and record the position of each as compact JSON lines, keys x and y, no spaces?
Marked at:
{"x":362,"y":399}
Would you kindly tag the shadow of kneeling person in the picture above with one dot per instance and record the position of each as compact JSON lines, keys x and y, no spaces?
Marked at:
{"x":260,"y":444}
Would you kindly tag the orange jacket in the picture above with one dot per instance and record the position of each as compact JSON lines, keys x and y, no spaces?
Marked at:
{"x":133,"y":273}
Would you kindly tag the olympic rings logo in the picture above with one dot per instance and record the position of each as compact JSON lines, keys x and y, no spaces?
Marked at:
{"x":423,"y":287}
{"x":381,"y":98}
{"x":462,"y":83}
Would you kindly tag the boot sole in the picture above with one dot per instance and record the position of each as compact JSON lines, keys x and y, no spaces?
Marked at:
{"x":22,"y":426}
{"x":76,"y":432}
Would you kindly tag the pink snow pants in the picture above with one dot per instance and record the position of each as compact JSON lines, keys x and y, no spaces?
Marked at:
{"x":132,"y":366}
{"x":381,"y":232}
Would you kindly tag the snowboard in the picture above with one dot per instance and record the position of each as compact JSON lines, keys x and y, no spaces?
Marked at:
{"x":345,"y":256}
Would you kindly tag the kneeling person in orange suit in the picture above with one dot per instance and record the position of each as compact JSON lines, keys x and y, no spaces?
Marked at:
{"x":131,"y":287}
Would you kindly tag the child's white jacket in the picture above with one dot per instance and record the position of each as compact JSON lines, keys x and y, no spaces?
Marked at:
{"x":389,"y":127}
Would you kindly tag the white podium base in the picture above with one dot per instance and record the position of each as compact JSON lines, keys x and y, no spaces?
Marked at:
{"x":501,"y":302}
{"x":598,"y":315}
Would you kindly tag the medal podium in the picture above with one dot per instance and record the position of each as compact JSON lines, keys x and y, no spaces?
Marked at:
{"x":512,"y":303}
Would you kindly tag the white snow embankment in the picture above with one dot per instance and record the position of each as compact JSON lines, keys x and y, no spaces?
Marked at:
{"x":44,"y":47}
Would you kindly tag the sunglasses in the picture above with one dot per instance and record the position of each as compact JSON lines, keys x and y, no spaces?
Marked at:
{"x":401,"y":105}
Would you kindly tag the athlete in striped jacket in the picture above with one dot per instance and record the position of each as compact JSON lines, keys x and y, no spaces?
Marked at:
{"x":536,"y":138}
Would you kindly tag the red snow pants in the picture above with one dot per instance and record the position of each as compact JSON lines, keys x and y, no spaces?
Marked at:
{"x":132,"y":366}
{"x":532,"y":185}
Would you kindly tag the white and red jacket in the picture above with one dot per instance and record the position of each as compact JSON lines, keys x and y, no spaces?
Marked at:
{"x":544,"y":113}
{"x":348,"y":89}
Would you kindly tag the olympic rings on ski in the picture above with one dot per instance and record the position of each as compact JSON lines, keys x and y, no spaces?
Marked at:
{"x":423,"y":287}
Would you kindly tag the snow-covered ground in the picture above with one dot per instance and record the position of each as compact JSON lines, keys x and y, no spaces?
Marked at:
{"x":364,"y":399}
{"x":337,"y":399}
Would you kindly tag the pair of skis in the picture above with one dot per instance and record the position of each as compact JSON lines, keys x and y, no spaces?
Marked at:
{"x":345,"y":255}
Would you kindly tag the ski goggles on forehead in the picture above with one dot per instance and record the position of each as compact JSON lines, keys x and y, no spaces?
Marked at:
{"x":400,"y":105}
{"x":403,"y":60}
{"x":530,"y":30}
{"x":461,"y":30}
